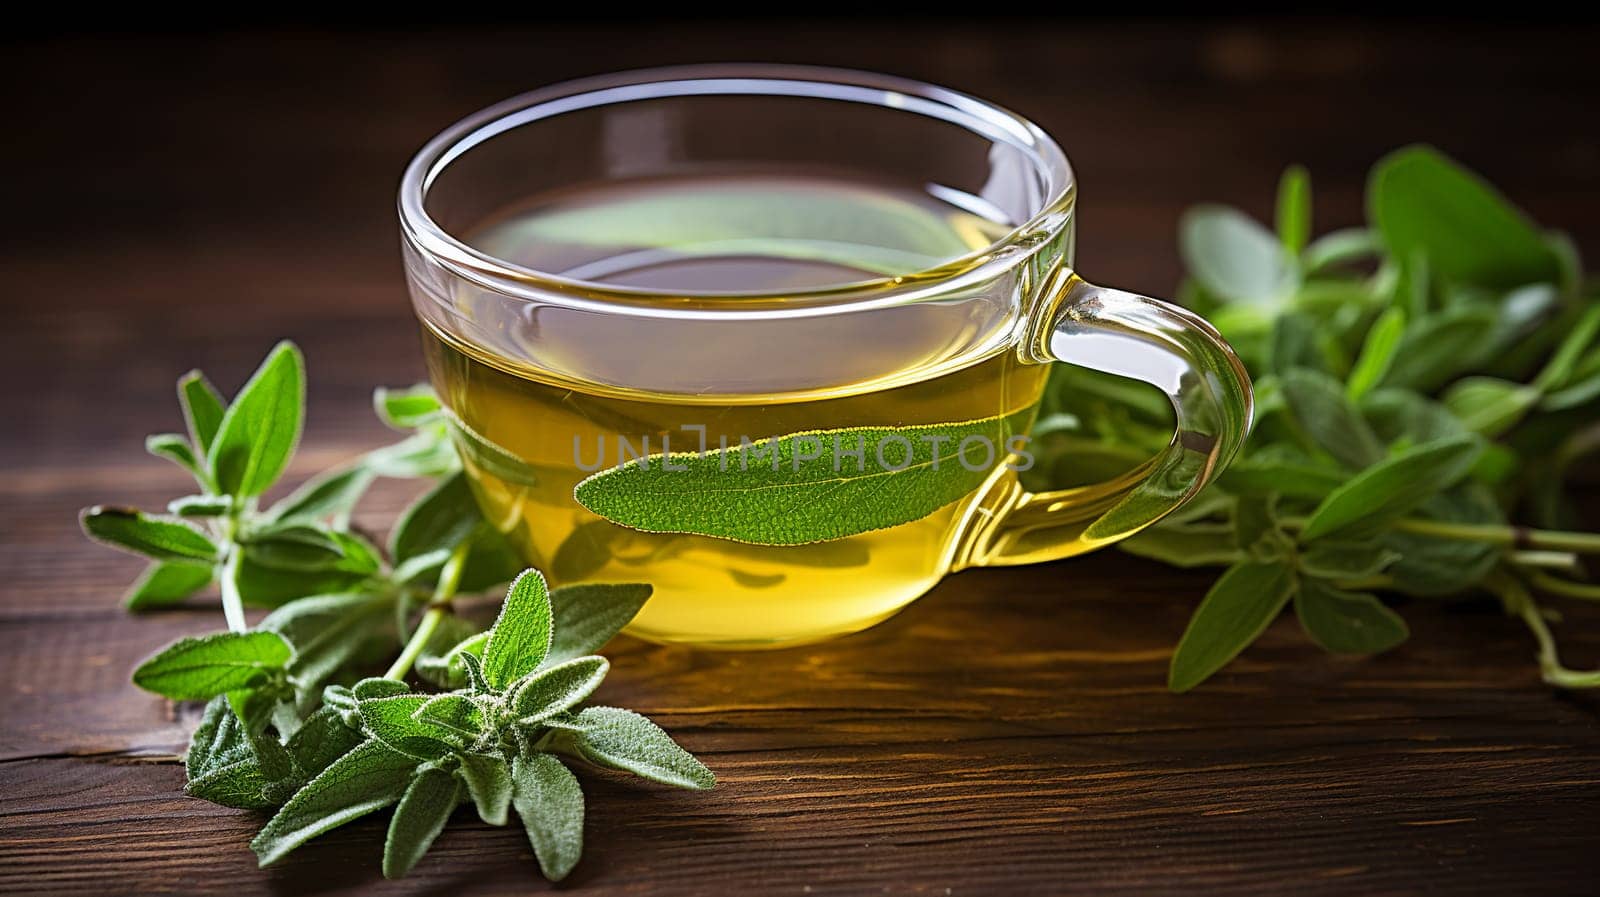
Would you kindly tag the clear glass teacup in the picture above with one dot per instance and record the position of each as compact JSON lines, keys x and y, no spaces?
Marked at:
{"x":771,"y":339}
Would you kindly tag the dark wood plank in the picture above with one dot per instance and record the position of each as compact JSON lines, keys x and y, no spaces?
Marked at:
{"x":186,"y":200}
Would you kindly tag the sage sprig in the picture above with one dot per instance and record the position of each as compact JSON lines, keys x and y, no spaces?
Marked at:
{"x":1420,"y":382}
{"x":292,"y":724}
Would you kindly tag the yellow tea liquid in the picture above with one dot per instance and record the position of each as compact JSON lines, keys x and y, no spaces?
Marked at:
{"x":723,"y":235}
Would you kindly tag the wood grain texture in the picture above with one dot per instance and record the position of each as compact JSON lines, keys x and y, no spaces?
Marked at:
{"x":185,"y":201}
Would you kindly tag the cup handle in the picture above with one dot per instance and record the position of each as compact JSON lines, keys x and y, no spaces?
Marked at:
{"x":1144,"y":339}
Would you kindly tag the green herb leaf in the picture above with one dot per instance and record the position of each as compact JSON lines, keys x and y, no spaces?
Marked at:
{"x":329,"y":631}
{"x":260,"y":429}
{"x":154,"y":537}
{"x":368,"y":778}
{"x":520,"y":638}
{"x":376,"y":687}
{"x":1377,"y":353}
{"x":240,"y":785}
{"x":1387,"y":491}
{"x":421,"y":816}
{"x":1489,"y":405}
{"x":1294,"y":209}
{"x":220,"y":740}
{"x":332,"y":494}
{"x":557,"y":689}
{"x":409,"y":408}
{"x":622,"y":739}
{"x":444,"y":667}
{"x":1347,"y":622}
{"x":198,"y":669}
{"x":488,"y":781}
{"x":1235,"y":612}
{"x":1338,"y":560}
{"x":1341,"y":247}
{"x":586,"y":616}
{"x":1430,"y":565}
{"x":455,"y":712}
{"x":394,"y":722}
{"x":550,"y":801}
{"x":203,"y":409}
{"x":300,"y":548}
{"x":176,"y":449}
{"x":322,"y":740}
{"x":1186,"y":546}
{"x":1319,"y":407}
{"x":790,"y":491}
{"x":427,"y":454}
{"x":1420,"y":201}
{"x":1282,"y":469}
{"x":1295,"y":344}
{"x":1440,"y":346}
{"x":1558,"y":372}
{"x":166,"y":583}
{"x":1256,"y":531}
{"x":1234,"y":258}
{"x":438,"y":522}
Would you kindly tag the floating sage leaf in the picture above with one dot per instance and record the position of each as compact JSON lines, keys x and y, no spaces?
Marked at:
{"x":805,"y":487}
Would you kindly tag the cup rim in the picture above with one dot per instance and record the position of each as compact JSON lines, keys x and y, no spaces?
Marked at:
{"x":986,"y":119}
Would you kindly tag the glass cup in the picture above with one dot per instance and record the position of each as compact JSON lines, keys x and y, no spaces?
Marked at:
{"x":532,"y":361}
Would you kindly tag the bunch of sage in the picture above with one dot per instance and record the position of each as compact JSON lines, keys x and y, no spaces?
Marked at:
{"x":293,"y":725}
{"x":1421,"y":382}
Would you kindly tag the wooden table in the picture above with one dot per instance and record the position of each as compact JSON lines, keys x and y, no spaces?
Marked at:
{"x":185,"y":201}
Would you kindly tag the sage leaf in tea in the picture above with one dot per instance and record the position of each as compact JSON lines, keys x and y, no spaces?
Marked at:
{"x":804,"y":487}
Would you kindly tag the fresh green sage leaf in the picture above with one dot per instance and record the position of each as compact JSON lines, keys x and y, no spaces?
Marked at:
{"x":301,"y":548}
{"x":322,"y":740}
{"x":1256,"y":531}
{"x":203,"y":409}
{"x":165,"y":583}
{"x":332,"y":494}
{"x":1377,"y":353}
{"x":429,"y":453}
{"x":1489,"y":405}
{"x":550,"y":801}
{"x":455,"y":712}
{"x":198,"y":669}
{"x":1282,"y":469}
{"x":1440,"y":346}
{"x":428,"y":802}
{"x":240,"y":785}
{"x":438,"y":522}
{"x":260,"y":429}
{"x":1558,"y":372}
{"x":440,"y":661}
{"x":1294,"y":209}
{"x":368,"y":778}
{"x":159,"y":538}
{"x":805,"y":487}
{"x":1233,"y":614}
{"x":622,"y":739}
{"x":329,"y":631}
{"x":520,"y":638}
{"x":1235,"y":258}
{"x":1321,"y":410}
{"x":176,"y":449}
{"x":1421,"y":201}
{"x":1404,"y":418}
{"x":394,"y":722}
{"x":1341,"y":247}
{"x":1295,"y":343}
{"x":1337,"y":560}
{"x":586,"y":616}
{"x":488,"y":779}
{"x":219,"y":740}
{"x":375,"y":687}
{"x":1430,"y":565}
{"x":1347,"y":622}
{"x":1387,"y":491}
{"x":557,"y":689}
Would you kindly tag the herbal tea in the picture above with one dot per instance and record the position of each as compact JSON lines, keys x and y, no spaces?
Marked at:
{"x":732,"y":236}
